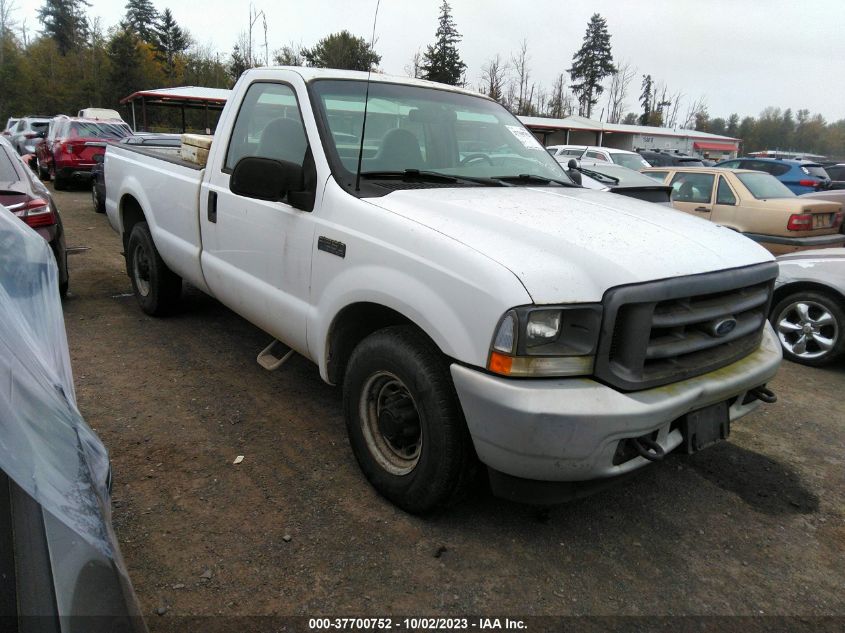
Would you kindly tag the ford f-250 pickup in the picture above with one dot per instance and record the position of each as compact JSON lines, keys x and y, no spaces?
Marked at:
{"x":474,"y":304}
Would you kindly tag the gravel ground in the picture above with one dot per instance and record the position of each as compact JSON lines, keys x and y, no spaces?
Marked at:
{"x":751,"y":526}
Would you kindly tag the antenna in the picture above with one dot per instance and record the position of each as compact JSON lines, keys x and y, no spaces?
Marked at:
{"x":366,"y":103}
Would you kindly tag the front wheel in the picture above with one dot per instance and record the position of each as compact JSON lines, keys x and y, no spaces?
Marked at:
{"x":156,"y":287}
{"x":97,"y":201}
{"x":404,"y":421}
{"x":811,"y":327}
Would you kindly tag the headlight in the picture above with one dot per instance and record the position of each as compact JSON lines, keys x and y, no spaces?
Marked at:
{"x":546,"y":341}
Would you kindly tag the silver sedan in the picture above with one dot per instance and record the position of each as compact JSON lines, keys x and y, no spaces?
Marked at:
{"x":808,"y":310}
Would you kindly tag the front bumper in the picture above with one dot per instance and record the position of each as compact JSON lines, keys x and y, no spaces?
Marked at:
{"x":568,"y":429}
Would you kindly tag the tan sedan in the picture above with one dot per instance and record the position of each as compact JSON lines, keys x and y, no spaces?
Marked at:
{"x":755,"y":204}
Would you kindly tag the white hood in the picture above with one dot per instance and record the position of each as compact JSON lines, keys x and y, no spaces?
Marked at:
{"x":571,"y":245}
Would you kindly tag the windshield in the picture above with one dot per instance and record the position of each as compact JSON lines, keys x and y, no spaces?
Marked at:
{"x":86,"y":129}
{"x":429,"y":130}
{"x":631,"y":161}
{"x":764,"y":186}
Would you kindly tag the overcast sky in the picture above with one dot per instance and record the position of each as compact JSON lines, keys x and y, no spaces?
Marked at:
{"x":743,"y":55}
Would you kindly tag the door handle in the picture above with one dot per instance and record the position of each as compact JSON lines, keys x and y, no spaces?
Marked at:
{"x":212,"y":206}
{"x":704,"y":209}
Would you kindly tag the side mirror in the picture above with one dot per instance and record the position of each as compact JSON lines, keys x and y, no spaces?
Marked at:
{"x":573,"y":168}
{"x":265,"y":178}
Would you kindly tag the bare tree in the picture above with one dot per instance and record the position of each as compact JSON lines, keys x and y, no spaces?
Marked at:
{"x":523,"y":73}
{"x":672,"y":117}
{"x":662,"y":101}
{"x":560,"y":101}
{"x":694,"y":110}
{"x":618,"y":91}
{"x":414,"y":67}
{"x":493,"y":78}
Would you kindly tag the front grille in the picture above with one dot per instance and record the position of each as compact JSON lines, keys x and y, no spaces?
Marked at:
{"x":661,"y":332}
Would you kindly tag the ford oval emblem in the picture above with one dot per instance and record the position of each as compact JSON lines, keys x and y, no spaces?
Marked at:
{"x":723,"y":327}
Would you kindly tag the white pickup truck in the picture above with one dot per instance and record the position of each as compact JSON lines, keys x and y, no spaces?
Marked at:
{"x":474,"y":304}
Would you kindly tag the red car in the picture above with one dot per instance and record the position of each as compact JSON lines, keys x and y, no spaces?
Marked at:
{"x":67,"y":154}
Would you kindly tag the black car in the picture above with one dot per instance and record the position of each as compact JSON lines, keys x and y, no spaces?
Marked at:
{"x":98,"y":172}
{"x":657,"y":158}
{"x":24,"y":195}
{"x":836,"y":171}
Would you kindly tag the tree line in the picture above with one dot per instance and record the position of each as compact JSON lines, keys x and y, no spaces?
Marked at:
{"x":73,"y":61}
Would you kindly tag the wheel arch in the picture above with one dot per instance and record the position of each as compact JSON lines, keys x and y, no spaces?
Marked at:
{"x":785,"y":290}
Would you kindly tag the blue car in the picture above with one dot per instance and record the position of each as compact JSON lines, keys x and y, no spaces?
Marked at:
{"x":800,"y":176}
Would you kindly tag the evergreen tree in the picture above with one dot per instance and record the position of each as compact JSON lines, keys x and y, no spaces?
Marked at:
{"x":342,"y":50}
{"x":646,"y":99}
{"x":733,"y":125}
{"x":142,"y":16}
{"x":65,"y":22}
{"x":125,"y":59}
{"x":170,"y":40}
{"x":237,"y":64}
{"x":591,"y":64}
{"x":441,"y":60}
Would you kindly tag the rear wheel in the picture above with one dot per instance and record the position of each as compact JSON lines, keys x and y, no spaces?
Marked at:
{"x":156,"y":287}
{"x":59,"y":182}
{"x":811,"y":327}
{"x":404,"y":421}
{"x":43,"y":174}
{"x":99,"y":203}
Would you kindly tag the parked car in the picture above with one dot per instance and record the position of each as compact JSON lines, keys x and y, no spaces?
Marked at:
{"x":755,"y":204}
{"x":60,"y":563}
{"x":808,"y":311}
{"x":800,"y":176}
{"x":44,"y":149}
{"x":473,"y":308}
{"x":832,"y":195}
{"x":562,"y":153}
{"x":28,"y":133}
{"x":70,"y":154}
{"x":836,"y":172}
{"x":658,"y":158}
{"x":164,"y":144}
{"x":618,"y":179}
{"x":25,"y":196}
{"x":10,"y":124}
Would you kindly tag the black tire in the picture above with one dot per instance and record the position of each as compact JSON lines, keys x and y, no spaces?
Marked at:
{"x":42,"y":173}
{"x":63,"y":288}
{"x":156,"y":287}
{"x":445,"y":463}
{"x":59,"y":182}
{"x":99,"y":203}
{"x":785,"y":316}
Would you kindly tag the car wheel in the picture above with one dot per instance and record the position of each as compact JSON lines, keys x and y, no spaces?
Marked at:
{"x":59,"y":182}
{"x":811,"y":327}
{"x":43,"y":174}
{"x":404,"y":421}
{"x":156,"y":287}
{"x":99,"y":205}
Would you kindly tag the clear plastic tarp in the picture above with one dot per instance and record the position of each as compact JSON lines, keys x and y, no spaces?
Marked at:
{"x":46,"y":447}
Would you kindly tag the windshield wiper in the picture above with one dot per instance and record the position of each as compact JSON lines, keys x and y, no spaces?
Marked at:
{"x":532,"y":179}
{"x":430,"y":176}
{"x":597,"y":175}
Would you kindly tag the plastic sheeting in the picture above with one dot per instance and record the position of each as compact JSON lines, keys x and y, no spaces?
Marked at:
{"x":45,"y":445}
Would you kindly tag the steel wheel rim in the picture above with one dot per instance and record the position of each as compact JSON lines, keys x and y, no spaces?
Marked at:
{"x":807,"y":329}
{"x":141,"y":270}
{"x":391,"y":423}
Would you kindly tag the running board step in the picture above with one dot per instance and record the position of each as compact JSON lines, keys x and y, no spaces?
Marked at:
{"x":274,"y":355}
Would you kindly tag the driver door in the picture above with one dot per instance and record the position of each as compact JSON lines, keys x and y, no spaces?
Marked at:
{"x":256,"y":254}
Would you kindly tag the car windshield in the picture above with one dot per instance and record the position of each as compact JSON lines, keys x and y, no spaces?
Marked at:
{"x":764,"y":186}
{"x":626,"y":177}
{"x":87,"y":129}
{"x":429,"y":130}
{"x":631,"y":161}
{"x":40,"y":126}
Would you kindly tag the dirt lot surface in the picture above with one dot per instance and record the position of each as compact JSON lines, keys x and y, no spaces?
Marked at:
{"x":751,"y":526}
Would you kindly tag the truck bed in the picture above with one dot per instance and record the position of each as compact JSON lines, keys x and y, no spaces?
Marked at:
{"x":170,"y":187}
